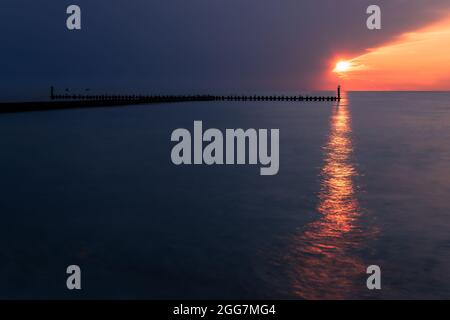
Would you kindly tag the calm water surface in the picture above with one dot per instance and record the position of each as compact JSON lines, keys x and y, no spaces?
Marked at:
{"x":362,"y":182}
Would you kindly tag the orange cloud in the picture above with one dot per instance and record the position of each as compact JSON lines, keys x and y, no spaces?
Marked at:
{"x":418,"y":60}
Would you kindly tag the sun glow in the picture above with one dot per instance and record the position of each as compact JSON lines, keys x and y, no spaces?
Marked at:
{"x":342,"y":66}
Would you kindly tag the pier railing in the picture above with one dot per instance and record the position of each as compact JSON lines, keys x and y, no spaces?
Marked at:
{"x":181,"y":98}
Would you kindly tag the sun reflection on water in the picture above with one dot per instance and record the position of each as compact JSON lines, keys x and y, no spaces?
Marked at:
{"x":323,"y":263}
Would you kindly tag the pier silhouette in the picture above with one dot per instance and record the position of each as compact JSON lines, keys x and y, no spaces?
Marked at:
{"x":68,"y":101}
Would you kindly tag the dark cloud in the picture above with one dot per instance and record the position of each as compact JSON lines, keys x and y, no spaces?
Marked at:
{"x":191,"y":46}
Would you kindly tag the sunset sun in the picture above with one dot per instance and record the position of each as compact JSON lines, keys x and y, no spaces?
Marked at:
{"x":342,"y":66}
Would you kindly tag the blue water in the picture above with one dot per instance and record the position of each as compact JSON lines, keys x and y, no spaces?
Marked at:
{"x":360,"y":183}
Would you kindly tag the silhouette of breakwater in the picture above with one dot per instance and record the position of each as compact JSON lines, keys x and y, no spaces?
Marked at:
{"x":185,"y":98}
{"x":67,"y":101}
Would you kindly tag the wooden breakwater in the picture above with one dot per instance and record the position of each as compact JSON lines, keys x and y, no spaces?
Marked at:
{"x":68,"y":101}
{"x":185,"y":98}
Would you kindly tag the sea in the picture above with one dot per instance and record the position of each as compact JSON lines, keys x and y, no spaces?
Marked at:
{"x":362,"y":182}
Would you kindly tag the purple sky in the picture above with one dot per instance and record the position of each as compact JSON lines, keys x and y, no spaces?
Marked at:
{"x":179,"y":46}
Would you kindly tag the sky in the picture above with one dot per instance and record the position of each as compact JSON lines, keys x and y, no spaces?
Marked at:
{"x":415,"y":60}
{"x":216,"y":46}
